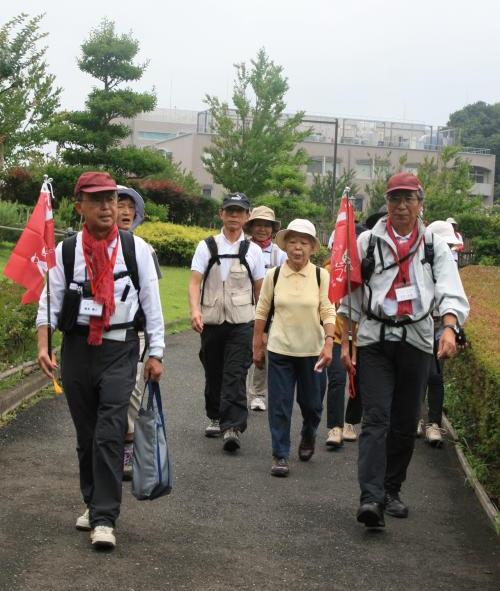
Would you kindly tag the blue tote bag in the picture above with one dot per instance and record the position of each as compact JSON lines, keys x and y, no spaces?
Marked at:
{"x":152,"y":468}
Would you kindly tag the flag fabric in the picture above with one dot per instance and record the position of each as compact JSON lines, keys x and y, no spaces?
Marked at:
{"x":34,"y":252}
{"x":338,"y":268}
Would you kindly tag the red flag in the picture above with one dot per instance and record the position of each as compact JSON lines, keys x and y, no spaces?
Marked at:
{"x":338,"y":267}
{"x":34,"y":252}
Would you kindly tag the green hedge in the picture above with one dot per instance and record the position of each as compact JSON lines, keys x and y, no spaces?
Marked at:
{"x":174,"y":244}
{"x":483,"y":228}
{"x":473,"y":378}
{"x":17,"y":325}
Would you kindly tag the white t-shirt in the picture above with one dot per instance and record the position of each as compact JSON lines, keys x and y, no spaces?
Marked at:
{"x":254,"y":257}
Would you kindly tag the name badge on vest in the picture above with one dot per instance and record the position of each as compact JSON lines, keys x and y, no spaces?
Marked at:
{"x":408,"y":292}
{"x":90,"y":308}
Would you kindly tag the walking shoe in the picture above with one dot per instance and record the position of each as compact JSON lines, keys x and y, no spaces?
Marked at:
{"x":102,"y":536}
{"x":433,"y":435}
{"x":334,"y":438}
{"x":213,"y":428}
{"x":306,"y":448}
{"x":394,"y":506}
{"x":128,"y":456}
{"x":371,"y":514}
{"x":349,"y":433}
{"x":83,"y":522}
{"x":280,"y":467}
{"x":231,"y":440}
{"x":420,"y":428}
{"x":258,"y":403}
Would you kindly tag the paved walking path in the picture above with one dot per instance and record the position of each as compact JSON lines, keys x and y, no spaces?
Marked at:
{"x":228,"y":525}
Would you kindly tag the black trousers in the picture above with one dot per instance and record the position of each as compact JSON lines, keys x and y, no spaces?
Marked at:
{"x":226,"y":355}
{"x":393,"y":377}
{"x":435,"y":389}
{"x":98,"y":382}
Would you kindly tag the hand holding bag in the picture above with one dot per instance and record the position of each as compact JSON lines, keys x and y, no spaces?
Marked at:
{"x":152,"y":468}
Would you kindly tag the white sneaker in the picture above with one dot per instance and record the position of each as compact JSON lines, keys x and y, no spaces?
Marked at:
{"x":420,"y":428}
{"x":213,"y":428}
{"x":83,"y":522}
{"x":102,"y":536}
{"x":334,"y":438}
{"x":433,"y":434}
{"x":349,"y":434}
{"x":257,"y":403}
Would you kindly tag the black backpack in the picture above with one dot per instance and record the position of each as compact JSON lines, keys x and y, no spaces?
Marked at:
{"x":215,"y":257}
{"x":275,"y":280}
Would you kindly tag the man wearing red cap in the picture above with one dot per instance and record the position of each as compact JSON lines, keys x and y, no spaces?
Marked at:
{"x":95,"y":303}
{"x":407,"y":274}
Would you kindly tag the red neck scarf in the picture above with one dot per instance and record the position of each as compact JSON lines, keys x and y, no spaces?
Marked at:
{"x":263,"y":243}
{"x":101,"y":279}
{"x":403,"y":248}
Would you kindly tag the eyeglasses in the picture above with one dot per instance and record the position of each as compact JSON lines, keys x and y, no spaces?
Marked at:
{"x":395,"y":199}
{"x":96,"y":200}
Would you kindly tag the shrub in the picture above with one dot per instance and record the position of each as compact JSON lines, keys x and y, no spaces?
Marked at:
{"x":65,"y":215}
{"x":17,"y":324}
{"x":174,"y":244}
{"x":13,"y":215}
{"x":155,"y":212}
{"x":288,"y":208}
{"x":474,"y":377}
{"x":483,"y":229}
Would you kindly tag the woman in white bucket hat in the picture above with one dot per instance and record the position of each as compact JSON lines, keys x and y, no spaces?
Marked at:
{"x":261,"y":226}
{"x":295,"y":295}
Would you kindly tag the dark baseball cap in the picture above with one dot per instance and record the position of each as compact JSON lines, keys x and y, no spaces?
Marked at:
{"x":94,"y":182}
{"x":236,"y":200}
{"x":403,"y":181}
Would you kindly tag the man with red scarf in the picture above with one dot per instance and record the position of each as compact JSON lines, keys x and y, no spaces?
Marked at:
{"x":97,"y":307}
{"x":407,"y":274}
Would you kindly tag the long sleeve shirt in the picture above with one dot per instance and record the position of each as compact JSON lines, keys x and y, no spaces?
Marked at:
{"x":299,"y":305}
{"x":149,"y":295}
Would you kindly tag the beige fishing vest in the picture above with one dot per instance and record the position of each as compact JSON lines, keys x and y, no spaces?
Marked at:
{"x":230,"y":300}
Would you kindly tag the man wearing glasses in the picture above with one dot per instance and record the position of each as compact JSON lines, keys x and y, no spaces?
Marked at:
{"x":95,"y":303}
{"x":407,"y":273}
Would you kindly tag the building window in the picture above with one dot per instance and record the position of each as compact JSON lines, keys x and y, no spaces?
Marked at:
{"x":154,"y":136}
{"x":363,"y":169}
{"x":411,"y":167}
{"x":207,"y":191}
{"x":478,"y":175}
{"x":315,"y":166}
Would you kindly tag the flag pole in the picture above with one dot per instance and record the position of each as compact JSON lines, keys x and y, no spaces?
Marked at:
{"x":347,"y":190}
{"x":47,"y":188}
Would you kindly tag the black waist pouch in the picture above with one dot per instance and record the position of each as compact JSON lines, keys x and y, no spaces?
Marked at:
{"x":69,"y":310}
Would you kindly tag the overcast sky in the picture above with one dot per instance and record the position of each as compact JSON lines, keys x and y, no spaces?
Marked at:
{"x":393,"y":59}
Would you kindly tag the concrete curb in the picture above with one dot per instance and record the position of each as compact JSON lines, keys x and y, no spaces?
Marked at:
{"x":489,"y":508}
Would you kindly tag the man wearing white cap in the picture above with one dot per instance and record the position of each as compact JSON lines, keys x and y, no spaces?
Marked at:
{"x":261,"y":226}
{"x":459,"y":246}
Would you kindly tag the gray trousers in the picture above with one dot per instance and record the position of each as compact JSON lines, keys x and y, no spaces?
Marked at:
{"x":98,"y":381}
{"x":137,"y":392}
{"x":257,"y":381}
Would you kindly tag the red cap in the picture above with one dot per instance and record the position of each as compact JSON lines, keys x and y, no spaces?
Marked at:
{"x":403,"y":180}
{"x":93,"y":182}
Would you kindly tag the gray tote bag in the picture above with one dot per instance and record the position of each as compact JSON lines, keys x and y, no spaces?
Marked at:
{"x":152,"y":468}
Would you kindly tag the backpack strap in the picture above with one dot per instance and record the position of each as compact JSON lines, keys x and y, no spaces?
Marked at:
{"x":429,"y":252}
{"x":128,"y":249}
{"x":68,"y":257}
{"x":318,"y":275}
{"x":214,"y":258}
{"x":368,"y":262}
{"x":271,"y":308}
{"x":242,"y":254}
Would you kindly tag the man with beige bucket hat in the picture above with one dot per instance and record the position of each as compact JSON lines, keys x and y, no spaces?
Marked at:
{"x":262,"y":225}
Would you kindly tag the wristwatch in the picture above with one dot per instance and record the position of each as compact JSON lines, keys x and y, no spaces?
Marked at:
{"x":454,"y":328}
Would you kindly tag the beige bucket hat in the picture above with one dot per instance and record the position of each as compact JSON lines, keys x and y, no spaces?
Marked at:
{"x":262,"y":213}
{"x":301,"y":227}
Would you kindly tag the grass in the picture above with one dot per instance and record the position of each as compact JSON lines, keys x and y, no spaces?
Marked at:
{"x":5,"y":248}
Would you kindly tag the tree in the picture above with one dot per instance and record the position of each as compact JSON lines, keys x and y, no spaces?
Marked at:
{"x":480,"y":126}
{"x":447,"y":184}
{"x":28,"y":97}
{"x":321,"y":190}
{"x":287,"y":180}
{"x":256,"y":136}
{"x":92,"y":137}
{"x":382,"y":171}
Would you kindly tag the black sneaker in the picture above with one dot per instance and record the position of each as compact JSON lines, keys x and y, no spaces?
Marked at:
{"x":128,"y":458}
{"x":280,"y":467}
{"x":394,"y":506}
{"x":231,"y":440}
{"x":371,"y":514}
{"x":306,"y":448}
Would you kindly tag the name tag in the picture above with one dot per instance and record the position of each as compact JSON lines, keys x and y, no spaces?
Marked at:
{"x":408,"y":292}
{"x":90,"y":308}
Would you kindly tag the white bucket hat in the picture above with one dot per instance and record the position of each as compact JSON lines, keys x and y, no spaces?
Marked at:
{"x":262,"y":213}
{"x":301,"y":227}
{"x":452,"y":221}
{"x":445,"y":230}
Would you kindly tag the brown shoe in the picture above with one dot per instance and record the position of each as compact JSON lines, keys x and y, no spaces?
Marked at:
{"x":306,"y":448}
{"x":280,"y":467}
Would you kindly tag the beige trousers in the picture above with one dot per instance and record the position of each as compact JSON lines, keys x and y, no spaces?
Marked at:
{"x":257,"y":381}
{"x":136,"y":396}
